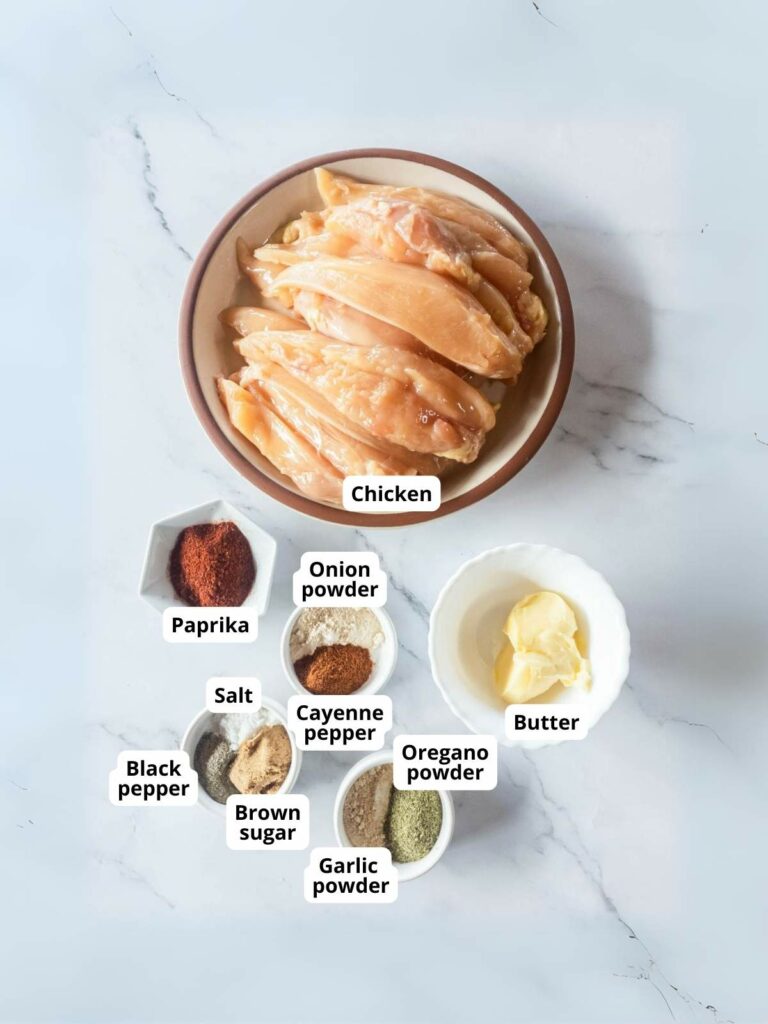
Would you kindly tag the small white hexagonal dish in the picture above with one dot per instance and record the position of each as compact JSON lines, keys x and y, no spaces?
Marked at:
{"x":156,"y":587}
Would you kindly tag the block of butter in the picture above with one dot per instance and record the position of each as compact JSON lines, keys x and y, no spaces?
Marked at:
{"x":540,"y":649}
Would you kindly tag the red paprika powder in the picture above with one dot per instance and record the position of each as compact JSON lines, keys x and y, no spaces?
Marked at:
{"x":212,"y":565}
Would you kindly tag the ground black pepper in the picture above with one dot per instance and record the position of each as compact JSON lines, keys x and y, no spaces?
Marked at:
{"x":212,"y":761}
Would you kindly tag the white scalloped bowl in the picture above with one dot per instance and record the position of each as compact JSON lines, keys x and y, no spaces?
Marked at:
{"x":465,"y":633}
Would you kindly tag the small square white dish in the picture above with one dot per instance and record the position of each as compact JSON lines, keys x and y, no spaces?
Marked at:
{"x":156,"y":587}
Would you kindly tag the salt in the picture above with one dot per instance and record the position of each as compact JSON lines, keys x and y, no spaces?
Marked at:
{"x":238,"y":727}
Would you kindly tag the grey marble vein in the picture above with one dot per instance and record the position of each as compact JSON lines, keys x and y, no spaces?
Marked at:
{"x":410,"y":652}
{"x":138,"y":739}
{"x":117,"y":18}
{"x":592,"y":870}
{"x":623,"y":390}
{"x":412,"y":600}
{"x":182,"y":99}
{"x":663,"y":719}
{"x":151,"y":189}
{"x":644,"y":975}
{"x":541,"y":14}
{"x":132,"y":875}
{"x":150,"y":63}
{"x":417,"y":605}
{"x":564,"y":434}
{"x":604,"y":420}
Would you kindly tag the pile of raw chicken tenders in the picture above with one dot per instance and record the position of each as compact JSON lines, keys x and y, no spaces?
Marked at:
{"x":396,"y":304}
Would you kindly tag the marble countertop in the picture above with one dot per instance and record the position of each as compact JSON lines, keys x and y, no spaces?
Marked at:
{"x":616,"y":880}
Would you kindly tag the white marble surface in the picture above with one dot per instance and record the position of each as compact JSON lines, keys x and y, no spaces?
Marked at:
{"x":617,"y":880}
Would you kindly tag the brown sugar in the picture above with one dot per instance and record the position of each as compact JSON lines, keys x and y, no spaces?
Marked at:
{"x":263,"y":761}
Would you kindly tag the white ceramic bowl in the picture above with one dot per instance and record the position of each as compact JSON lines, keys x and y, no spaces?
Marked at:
{"x":417,"y":867}
{"x":156,"y":587}
{"x":205,"y":722}
{"x":465,"y":632}
{"x":206,"y":350}
{"x":385,"y":657}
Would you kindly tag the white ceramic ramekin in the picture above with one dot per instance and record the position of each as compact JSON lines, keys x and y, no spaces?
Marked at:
{"x":417,"y":867}
{"x":384,"y":660}
{"x":466,"y":632}
{"x":205,"y":722}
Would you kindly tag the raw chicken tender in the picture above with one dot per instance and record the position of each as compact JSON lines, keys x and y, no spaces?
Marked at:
{"x":260,"y":273}
{"x":494,"y":302}
{"x":250,"y":413}
{"x":311,"y":222}
{"x":443,"y":316}
{"x":309,"y":248}
{"x":512,"y":280}
{"x":324,"y":315}
{"x":405,"y":233}
{"x":327,"y":316}
{"x":349,"y":448}
{"x":533,"y":315}
{"x":391,"y":393}
{"x":335,"y":190}
{"x":247,"y":319}
{"x":509,"y":277}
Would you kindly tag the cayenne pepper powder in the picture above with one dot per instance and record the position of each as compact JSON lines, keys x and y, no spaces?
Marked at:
{"x":212,"y":565}
{"x":335,"y":669}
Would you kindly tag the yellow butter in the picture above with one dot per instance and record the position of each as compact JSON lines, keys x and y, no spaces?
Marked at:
{"x":540,"y":650}
{"x":534,"y":615}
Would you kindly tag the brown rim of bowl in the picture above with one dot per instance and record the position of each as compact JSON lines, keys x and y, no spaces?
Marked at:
{"x":339,"y":515}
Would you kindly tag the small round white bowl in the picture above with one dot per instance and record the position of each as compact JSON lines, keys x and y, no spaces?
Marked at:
{"x":204,"y":722}
{"x":466,"y":633}
{"x":385,"y":658}
{"x":415,"y":868}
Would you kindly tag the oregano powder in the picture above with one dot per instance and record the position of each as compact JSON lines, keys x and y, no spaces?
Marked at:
{"x":406,"y":822}
{"x":413,"y":823}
